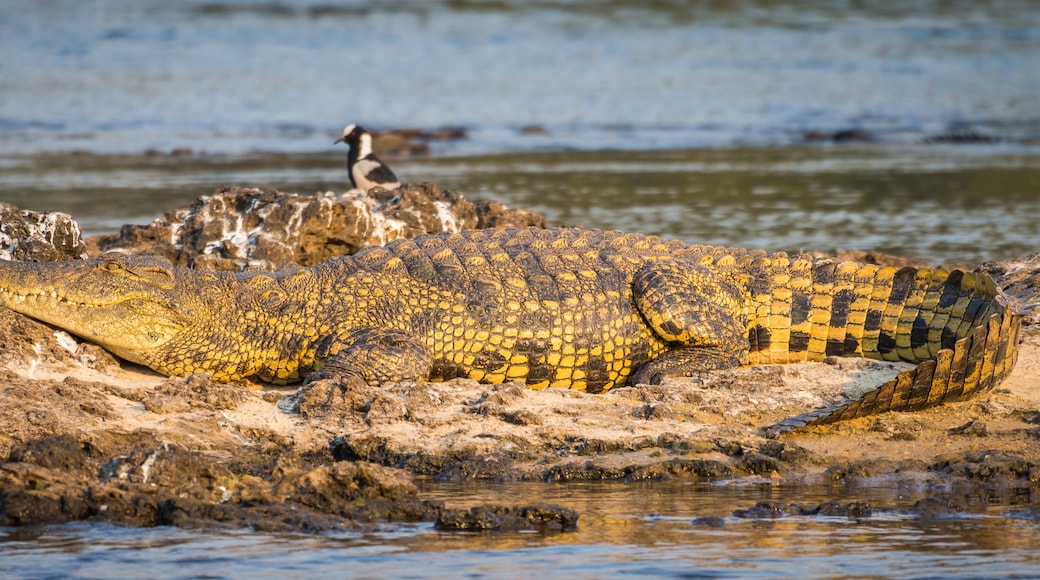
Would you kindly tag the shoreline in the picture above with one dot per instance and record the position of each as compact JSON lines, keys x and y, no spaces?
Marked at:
{"x":116,"y":435}
{"x":90,"y":438}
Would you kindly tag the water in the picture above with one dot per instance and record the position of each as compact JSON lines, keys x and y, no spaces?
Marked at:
{"x":945,"y":204}
{"x":287,"y":75}
{"x":642,"y":530}
{"x":684,"y":119}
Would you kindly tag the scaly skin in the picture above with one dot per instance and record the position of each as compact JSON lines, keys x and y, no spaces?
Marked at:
{"x":571,"y":308}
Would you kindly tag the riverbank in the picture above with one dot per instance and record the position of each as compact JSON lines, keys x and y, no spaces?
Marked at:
{"x":90,"y":438}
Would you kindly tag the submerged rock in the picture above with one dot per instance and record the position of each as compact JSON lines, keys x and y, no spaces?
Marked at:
{"x":962,"y":137}
{"x":406,"y":142}
{"x":766,"y":510}
{"x":541,"y":517}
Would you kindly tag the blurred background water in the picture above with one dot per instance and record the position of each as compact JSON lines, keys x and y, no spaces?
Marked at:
{"x":910,"y":127}
{"x":285,"y":75}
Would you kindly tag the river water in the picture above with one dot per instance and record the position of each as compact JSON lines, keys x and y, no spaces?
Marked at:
{"x":285,"y":75}
{"x":660,"y":529}
{"x":713,"y":122}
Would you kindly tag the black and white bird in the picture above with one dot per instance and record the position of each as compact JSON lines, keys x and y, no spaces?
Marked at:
{"x":366,"y":170}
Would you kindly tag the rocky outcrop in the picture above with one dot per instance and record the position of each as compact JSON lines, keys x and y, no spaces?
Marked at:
{"x":38,"y":237}
{"x":1021,"y":278}
{"x":141,"y":480}
{"x":262,"y":229}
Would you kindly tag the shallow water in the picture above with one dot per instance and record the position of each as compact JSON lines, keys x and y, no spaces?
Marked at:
{"x":647,"y":529}
{"x":943,"y":204}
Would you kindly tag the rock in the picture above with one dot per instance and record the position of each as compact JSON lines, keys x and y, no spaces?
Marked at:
{"x":709,"y":522}
{"x":973,"y":428}
{"x":411,"y":142}
{"x":764,"y":510}
{"x":655,"y":412}
{"x":692,"y":469}
{"x":136,"y":479}
{"x":759,"y":464}
{"x":846,"y":510}
{"x":932,"y":508}
{"x":237,"y":228}
{"x":533,"y":129}
{"x":328,"y":397}
{"x":179,"y":394}
{"x":495,"y":214}
{"x":542,"y":517}
{"x":989,"y":466}
{"x":840,"y":136}
{"x":786,"y":451}
{"x":38,"y":236}
{"x":961,"y":137}
{"x":1021,"y":279}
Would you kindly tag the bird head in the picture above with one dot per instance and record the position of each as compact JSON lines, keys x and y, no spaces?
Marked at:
{"x":351,"y":134}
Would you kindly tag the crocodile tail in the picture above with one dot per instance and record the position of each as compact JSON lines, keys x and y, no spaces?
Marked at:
{"x":957,"y":326}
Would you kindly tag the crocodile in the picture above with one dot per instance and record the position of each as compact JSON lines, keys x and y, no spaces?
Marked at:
{"x":574,"y":308}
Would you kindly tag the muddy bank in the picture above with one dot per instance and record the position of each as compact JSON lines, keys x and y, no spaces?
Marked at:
{"x":87,"y":437}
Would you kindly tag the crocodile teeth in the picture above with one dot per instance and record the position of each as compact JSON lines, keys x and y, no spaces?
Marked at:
{"x":14,"y":296}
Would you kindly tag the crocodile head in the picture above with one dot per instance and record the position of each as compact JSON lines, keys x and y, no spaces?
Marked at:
{"x":129,"y":305}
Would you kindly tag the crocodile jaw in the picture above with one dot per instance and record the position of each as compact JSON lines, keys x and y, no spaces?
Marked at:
{"x":96,"y":301}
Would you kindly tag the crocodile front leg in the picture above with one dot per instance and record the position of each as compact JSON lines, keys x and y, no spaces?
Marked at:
{"x":696,"y":313}
{"x":355,"y":369}
{"x":375,"y":356}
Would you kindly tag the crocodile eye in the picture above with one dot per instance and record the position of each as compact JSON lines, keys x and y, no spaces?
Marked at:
{"x":160,"y":271}
{"x":210,"y":292}
{"x":272,"y":298}
{"x":110,"y":266}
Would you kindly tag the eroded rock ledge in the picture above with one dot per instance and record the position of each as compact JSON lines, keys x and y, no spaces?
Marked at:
{"x":237,"y":228}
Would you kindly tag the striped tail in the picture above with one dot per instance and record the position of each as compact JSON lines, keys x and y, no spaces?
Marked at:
{"x":957,"y":326}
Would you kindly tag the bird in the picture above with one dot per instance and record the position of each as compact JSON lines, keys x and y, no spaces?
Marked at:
{"x":366,"y":170}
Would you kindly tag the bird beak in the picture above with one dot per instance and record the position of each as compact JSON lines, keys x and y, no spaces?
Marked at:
{"x":340,"y":140}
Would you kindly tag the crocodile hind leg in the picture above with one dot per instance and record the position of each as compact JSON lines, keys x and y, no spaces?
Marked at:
{"x":696,"y":313}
